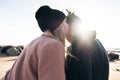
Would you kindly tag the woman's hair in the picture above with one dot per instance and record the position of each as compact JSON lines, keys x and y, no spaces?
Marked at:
{"x":59,"y":34}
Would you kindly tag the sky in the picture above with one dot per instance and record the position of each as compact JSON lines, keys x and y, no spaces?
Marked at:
{"x":18,"y":25}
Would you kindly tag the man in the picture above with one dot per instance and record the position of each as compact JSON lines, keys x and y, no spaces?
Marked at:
{"x":88,"y":56}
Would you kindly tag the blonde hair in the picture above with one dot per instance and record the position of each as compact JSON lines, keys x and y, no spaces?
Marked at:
{"x":59,"y":34}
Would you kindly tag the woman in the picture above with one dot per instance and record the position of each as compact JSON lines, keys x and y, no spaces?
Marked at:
{"x":43,"y":58}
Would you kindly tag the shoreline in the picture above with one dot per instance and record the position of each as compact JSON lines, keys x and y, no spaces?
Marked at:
{"x":6,"y":63}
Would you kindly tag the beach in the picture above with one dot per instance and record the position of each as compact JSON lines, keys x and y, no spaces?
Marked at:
{"x":114,"y":70}
{"x":6,"y":63}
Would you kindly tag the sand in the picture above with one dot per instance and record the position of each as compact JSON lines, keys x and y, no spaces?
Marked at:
{"x":114,"y":70}
{"x":6,"y":63}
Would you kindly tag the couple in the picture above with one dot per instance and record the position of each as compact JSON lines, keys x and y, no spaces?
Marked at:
{"x":44,"y":57}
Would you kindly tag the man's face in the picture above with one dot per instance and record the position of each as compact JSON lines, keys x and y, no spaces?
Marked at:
{"x":69,"y":36}
{"x":66,"y":27}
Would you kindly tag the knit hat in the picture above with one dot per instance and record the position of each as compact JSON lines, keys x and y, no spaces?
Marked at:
{"x":48,"y":18}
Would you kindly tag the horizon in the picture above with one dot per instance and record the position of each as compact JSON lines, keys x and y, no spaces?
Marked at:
{"x":18,"y":25}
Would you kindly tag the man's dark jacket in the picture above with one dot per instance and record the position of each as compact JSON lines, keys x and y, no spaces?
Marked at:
{"x":87,"y":63}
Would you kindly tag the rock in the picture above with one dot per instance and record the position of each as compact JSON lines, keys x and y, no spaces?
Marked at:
{"x":113,"y":56}
{"x":12,"y":51}
{"x":0,"y":49}
{"x":117,"y":69}
{"x":4,"y":49}
{"x":19,"y":49}
{"x":21,"y":46}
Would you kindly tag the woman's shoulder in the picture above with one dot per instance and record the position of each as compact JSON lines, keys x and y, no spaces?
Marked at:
{"x":53,"y":42}
{"x":48,"y":41}
{"x":44,"y":40}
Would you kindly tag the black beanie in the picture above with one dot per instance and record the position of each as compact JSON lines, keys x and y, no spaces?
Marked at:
{"x":48,"y":18}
